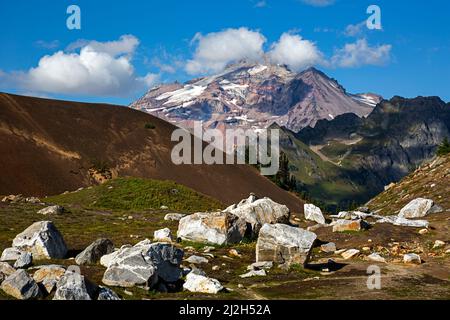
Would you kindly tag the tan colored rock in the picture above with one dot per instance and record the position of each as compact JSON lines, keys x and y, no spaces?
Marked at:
{"x":349,"y":225}
{"x":49,"y":276}
{"x":348,"y":254}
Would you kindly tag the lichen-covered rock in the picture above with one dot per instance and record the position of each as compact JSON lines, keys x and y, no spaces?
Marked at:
{"x":256,"y":213}
{"x":73,"y":286}
{"x":95,"y":251}
{"x":214,"y":228}
{"x":284,"y":244}
{"x":417,"y":208}
{"x":313,"y":213}
{"x":21,"y":286}
{"x":349,"y":225}
{"x":202,"y":284}
{"x":6,"y":268}
{"x":48,"y":276}
{"x":42,"y":240}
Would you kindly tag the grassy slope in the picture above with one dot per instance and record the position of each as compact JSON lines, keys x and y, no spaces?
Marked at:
{"x":138,"y":194}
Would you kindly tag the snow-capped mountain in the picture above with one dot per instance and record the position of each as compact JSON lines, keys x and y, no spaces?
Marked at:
{"x":249,"y":95}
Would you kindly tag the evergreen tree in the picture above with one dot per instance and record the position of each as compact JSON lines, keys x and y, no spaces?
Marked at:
{"x":444,"y":148}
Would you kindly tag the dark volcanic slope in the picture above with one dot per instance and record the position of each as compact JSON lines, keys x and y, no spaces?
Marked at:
{"x":48,"y":146}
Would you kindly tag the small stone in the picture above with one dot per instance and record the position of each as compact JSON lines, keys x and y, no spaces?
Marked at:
{"x":365,"y":249}
{"x":328,"y":247}
{"x":25,"y":260}
{"x":174,"y":216}
{"x":234,"y":253}
{"x":208,"y":249}
{"x":438,"y":244}
{"x":412,"y":258}
{"x":164,"y":208}
{"x":254,"y":273}
{"x":215,"y":268}
{"x":348,"y":254}
{"x":202,"y":284}
{"x":52,"y":210}
{"x":375,"y":257}
{"x":163,"y":235}
{"x":260,"y":265}
{"x":349,"y":225}
{"x":197,"y":260}
{"x":423,"y":231}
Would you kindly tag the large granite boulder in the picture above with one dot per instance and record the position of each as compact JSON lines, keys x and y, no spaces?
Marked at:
{"x":42,"y":240}
{"x":130,"y":267}
{"x":284,"y":244}
{"x":95,"y":251}
{"x":257,"y":212}
{"x":73,"y":286}
{"x":313,"y":213}
{"x":21,"y":286}
{"x":214,"y":228}
{"x":417,"y":208}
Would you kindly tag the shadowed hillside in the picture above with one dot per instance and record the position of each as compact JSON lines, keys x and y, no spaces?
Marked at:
{"x":50,"y":146}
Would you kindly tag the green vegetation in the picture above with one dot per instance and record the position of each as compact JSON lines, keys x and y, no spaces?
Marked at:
{"x":138,"y":194}
{"x":444,"y":148}
{"x":149,"y":125}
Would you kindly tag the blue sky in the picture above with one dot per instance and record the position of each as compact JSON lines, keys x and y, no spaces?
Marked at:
{"x":408,"y":57}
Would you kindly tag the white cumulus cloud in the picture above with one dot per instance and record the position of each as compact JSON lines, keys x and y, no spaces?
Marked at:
{"x":97,"y":68}
{"x":361,"y":53}
{"x":295,"y":52}
{"x":215,"y":50}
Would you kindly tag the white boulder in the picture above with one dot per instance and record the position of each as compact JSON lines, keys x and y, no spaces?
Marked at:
{"x":202,"y":284}
{"x":417,"y":208}
{"x":313,"y":213}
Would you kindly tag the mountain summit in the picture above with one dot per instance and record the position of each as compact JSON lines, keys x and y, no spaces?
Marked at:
{"x":251,"y":95}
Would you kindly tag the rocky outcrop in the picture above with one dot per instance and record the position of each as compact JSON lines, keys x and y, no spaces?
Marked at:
{"x":313,"y":213}
{"x":42,"y":240}
{"x":214,"y":228}
{"x":21,"y":286}
{"x":284,"y":244}
{"x":73,"y":286}
{"x":257,"y":212}
{"x":202,"y":284}
{"x":95,"y":251}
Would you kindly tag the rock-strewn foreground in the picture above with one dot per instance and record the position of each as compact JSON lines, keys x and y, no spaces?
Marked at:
{"x":263,"y":252}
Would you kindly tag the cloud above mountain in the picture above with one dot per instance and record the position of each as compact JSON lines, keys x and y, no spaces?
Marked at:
{"x":86,"y":68}
{"x":215,"y":50}
{"x":295,"y":52}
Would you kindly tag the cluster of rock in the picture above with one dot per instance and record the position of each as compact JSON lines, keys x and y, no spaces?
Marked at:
{"x":19,"y":198}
